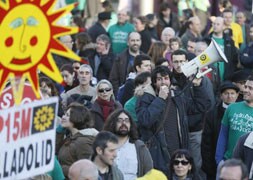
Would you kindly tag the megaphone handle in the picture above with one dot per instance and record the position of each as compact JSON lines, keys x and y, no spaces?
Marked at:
{"x":200,"y":74}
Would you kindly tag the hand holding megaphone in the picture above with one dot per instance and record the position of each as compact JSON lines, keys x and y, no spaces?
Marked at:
{"x":212,"y":54}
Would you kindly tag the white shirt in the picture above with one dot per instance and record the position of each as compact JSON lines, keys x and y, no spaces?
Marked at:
{"x":127,"y":160}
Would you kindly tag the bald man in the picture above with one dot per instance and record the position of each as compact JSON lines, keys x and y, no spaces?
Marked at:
{"x":83,"y":169}
{"x":221,"y":36}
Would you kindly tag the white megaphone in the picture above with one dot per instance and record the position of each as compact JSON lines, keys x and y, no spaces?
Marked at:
{"x":212,"y":54}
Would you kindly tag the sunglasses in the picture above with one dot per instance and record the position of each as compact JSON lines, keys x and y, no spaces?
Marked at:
{"x":104,"y":90}
{"x":184,"y":163}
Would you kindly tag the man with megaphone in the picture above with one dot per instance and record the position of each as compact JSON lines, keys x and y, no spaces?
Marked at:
{"x":195,"y":122}
{"x":162,"y":115}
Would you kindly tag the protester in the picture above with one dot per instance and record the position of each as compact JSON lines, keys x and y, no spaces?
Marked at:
{"x":83,"y":169}
{"x":105,"y":151}
{"x":228,"y":95}
{"x":84,"y":88}
{"x":78,"y":144}
{"x":162,"y":112}
{"x":235,"y":123}
{"x":69,"y":77}
{"x":193,"y":30}
{"x":133,"y":157}
{"x":182,"y":165}
{"x":233,"y":169}
{"x":101,"y":62}
{"x":123,"y":63}
{"x":196,"y":120}
{"x":244,"y":151}
{"x":104,"y":104}
{"x":142,"y":63}
{"x":140,"y":82}
{"x":100,"y":26}
{"x":140,"y":24}
{"x":118,"y":32}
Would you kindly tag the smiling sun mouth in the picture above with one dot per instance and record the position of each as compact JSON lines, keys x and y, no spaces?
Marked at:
{"x":16,"y":61}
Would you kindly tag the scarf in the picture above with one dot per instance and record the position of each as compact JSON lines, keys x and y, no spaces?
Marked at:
{"x":106,"y":106}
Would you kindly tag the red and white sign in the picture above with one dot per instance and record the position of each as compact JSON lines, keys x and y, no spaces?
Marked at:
{"x":27,"y":136}
{"x":7,"y":98}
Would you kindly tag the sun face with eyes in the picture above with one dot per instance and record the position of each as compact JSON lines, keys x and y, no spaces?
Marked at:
{"x":28,"y":38}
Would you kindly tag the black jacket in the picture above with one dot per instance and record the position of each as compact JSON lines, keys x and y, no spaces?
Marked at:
{"x":150,"y":111}
{"x":96,"y":30}
{"x":232,"y":55}
{"x":104,"y":67}
{"x":209,"y":139}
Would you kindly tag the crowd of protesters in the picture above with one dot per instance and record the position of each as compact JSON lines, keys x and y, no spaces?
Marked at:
{"x":128,"y":110}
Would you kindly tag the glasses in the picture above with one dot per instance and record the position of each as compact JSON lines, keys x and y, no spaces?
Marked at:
{"x":120,"y":120}
{"x":183,"y":162}
{"x":104,"y":90}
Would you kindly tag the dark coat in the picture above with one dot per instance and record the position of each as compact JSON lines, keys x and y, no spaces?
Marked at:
{"x":120,"y":70}
{"x":232,"y":55}
{"x":114,"y":174}
{"x":195,"y":121}
{"x":105,"y":66}
{"x":96,"y":30}
{"x":146,"y":40}
{"x":151,"y":110}
{"x":88,"y":51}
{"x":128,"y":91}
{"x":174,"y":23}
{"x":76,"y":147}
{"x":246,"y":57}
{"x":97,"y":114}
{"x":209,"y":139}
{"x":244,"y":153}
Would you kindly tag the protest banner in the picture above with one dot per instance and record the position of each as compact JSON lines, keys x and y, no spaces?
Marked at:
{"x":27,"y":136}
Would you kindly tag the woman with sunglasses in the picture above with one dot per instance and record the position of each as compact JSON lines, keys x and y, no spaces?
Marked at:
{"x":104,"y":104}
{"x":182,"y":165}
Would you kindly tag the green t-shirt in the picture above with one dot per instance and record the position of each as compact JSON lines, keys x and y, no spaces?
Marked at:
{"x":239,"y":119}
{"x":221,"y":64}
{"x":118,"y":34}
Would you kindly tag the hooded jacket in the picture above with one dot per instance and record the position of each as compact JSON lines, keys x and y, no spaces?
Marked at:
{"x":78,"y":146}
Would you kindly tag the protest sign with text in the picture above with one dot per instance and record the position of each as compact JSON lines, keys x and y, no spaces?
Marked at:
{"x":27,"y":136}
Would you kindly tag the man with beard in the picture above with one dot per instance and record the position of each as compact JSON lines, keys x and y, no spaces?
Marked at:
{"x":134,"y":159}
{"x":162,"y":114}
{"x":236,"y":122}
{"x":123,"y":64}
{"x":104,"y":153}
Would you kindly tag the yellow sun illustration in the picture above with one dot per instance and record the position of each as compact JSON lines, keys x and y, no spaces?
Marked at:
{"x":28,"y":38}
{"x":43,"y":118}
